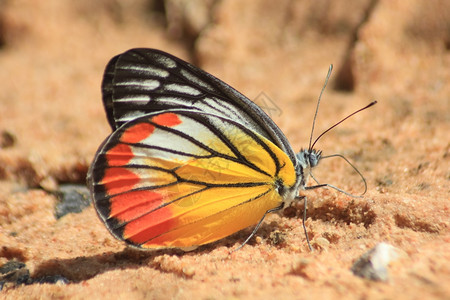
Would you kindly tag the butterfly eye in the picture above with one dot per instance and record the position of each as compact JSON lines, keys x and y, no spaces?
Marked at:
{"x":314,"y":158}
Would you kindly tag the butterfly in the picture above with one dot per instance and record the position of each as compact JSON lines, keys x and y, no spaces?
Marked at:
{"x":190,"y":160}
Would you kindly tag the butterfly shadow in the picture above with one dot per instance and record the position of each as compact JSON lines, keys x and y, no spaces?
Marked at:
{"x":83,"y":268}
{"x":86,"y":267}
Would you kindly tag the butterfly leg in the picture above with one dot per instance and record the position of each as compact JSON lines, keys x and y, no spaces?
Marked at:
{"x":320,"y":185}
{"x":259,"y":225}
{"x":305,"y":201}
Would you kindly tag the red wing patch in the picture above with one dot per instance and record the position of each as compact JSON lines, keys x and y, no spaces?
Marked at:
{"x":119,"y":180}
{"x":137,"y":133}
{"x":119,"y":155}
{"x":167,"y":119}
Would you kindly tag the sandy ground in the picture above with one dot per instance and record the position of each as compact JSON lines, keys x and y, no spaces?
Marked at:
{"x":52,"y":58}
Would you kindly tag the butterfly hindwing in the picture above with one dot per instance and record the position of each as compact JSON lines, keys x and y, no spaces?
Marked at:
{"x":179,"y":178}
{"x":142,"y":81}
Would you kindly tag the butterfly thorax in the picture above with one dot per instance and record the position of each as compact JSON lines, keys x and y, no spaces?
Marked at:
{"x":307,"y":159}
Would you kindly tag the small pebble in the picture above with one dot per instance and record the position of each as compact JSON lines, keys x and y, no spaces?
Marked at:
{"x":321,"y":243}
{"x":14,"y":271}
{"x":189,"y":271}
{"x":277,"y":237}
{"x":7,"y":139}
{"x":72,"y":199}
{"x":373,"y":264}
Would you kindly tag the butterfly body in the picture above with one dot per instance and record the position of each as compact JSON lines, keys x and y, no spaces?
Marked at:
{"x":190,"y":160}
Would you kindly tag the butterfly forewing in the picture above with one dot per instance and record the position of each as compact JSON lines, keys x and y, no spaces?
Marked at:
{"x":142,"y":81}
{"x":177,"y":178}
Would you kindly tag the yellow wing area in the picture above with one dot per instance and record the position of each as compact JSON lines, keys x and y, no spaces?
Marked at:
{"x":207,"y":220}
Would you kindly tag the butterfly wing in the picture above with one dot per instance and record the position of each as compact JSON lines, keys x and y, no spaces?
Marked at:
{"x":179,"y":178}
{"x":142,"y":81}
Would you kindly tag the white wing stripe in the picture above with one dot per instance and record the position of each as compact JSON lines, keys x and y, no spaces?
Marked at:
{"x":148,"y":84}
{"x":145,"y":69}
{"x":195,"y":80}
{"x":134,"y":99}
{"x":181,"y":88}
{"x":166,"y":62}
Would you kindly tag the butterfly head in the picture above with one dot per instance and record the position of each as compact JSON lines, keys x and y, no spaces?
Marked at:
{"x":307,"y":160}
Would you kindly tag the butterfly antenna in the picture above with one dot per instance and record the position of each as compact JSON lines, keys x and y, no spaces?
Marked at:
{"x":317,"y":107}
{"x":354,"y":113}
{"x":356,"y":170}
